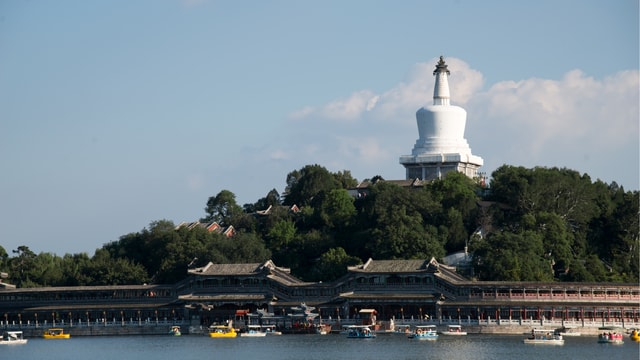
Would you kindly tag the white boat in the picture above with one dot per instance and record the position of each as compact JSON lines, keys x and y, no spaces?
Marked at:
{"x":360,"y":332}
{"x":424,"y":332}
{"x":12,"y":338}
{"x":454,"y":330}
{"x":253,"y":331}
{"x":544,"y":337}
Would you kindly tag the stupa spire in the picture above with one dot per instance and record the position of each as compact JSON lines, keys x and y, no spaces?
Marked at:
{"x":441,"y":94}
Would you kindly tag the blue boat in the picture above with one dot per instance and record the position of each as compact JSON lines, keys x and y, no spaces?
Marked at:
{"x":424,"y":332}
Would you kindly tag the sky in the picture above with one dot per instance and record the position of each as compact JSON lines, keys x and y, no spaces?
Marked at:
{"x":116,"y":114}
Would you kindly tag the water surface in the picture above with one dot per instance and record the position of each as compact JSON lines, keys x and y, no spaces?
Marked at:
{"x":311,"y":347}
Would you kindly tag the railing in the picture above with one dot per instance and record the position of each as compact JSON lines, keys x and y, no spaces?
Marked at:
{"x":95,"y":323}
{"x":557,"y":323}
{"x":627,"y":323}
{"x":547,"y":296}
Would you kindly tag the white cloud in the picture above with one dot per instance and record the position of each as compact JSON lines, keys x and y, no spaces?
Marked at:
{"x":577,"y":110}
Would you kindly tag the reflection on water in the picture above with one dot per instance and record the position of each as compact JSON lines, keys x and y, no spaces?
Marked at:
{"x":312,"y":347}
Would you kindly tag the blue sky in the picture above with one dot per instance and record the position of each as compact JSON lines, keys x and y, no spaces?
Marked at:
{"x":114,"y":114}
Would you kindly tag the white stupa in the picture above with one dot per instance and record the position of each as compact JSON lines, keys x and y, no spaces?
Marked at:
{"x":441,"y":146}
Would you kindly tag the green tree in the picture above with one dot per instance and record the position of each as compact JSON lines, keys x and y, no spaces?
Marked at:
{"x":243,"y":248}
{"x":456,"y":233}
{"x":104,"y":270}
{"x":576,"y":272}
{"x":336,"y":209}
{"x":512,"y":257}
{"x":74,"y":270}
{"x":304,"y":184}
{"x":397,"y":228}
{"x":4,"y":260}
{"x":22,"y":267}
{"x":333,"y":265}
{"x":281,"y":234}
{"x":46,"y":270}
{"x":222,"y":208}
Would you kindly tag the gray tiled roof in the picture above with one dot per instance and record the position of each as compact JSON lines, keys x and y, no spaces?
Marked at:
{"x":237,"y":269}
{"x":227,"y":269}
{"x":267,"y":269}
{"x":391,"y":266}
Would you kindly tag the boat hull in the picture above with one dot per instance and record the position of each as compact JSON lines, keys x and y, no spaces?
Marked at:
{"x":253,"y":334}
{"x":544,"y":342}
{"x":13,"y":342}
{"x":605,"y":341}
{"x":222,"y":332}
{"x":12,"y":338}
{"x":223,"y":335}
{"x":361,"y":336}
{"x":423,"y":337}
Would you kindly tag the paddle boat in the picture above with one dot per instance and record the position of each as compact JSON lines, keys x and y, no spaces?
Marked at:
{"x":323,"y":329}
{"x":454,"y":330}
{"x":271,"y":330}
{"x":424,"y":332}
{"x":360,"y":332}
{"x":175,"y":331}
{"x":635,"y":336}
{"x":56,"y":333}
{"x":544,"y":337}
{"x":12,"y":338}
{"x":400,"y":330}
{"x":222,"y":331}
{"x":610,"y":338}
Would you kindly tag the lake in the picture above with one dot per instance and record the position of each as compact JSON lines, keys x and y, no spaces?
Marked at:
{"x":311,"y":347}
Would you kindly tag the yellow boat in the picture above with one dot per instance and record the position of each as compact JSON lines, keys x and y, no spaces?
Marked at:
{"x":56,"y":333}
{"x":635,"y":336}
{"x":222,"y":331}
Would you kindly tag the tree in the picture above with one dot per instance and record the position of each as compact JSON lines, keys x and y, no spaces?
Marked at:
{"x":222,"y":208}
{"x":456,"y":233}
{"x":281,"y":234}
{"x":397,"y":229}
{"x":557,"y":240}
{"x":304,"y":184}
{"x":345,"y":179}
{"x":333,"y":264}
{"x":104,"y":270}
{"x":22,"y":266}
{"x":74,"y":269}
{"x":4,"y":260}
{"x":336,"y":208}
{"x":243,"y":248}
{"x":512,"y":257}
